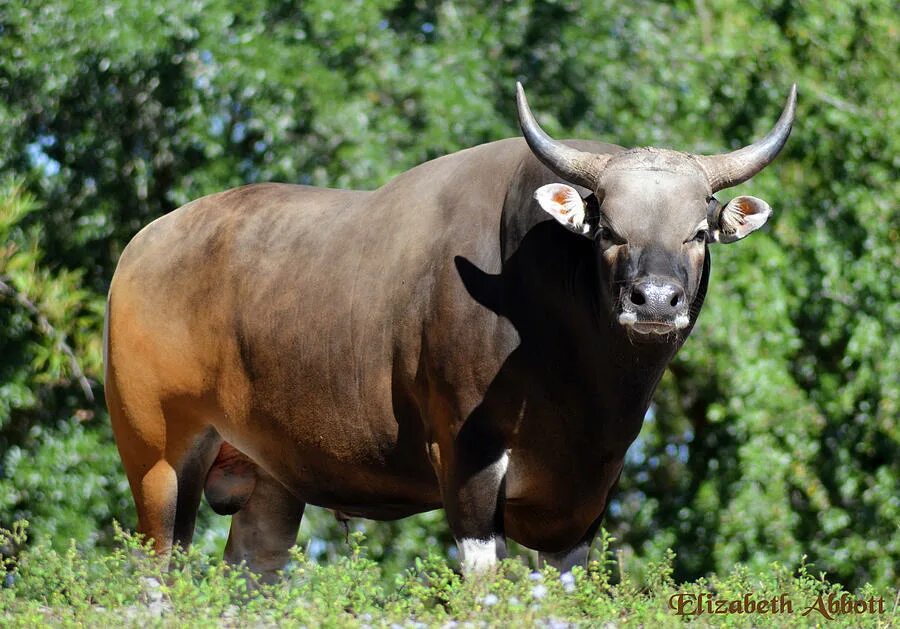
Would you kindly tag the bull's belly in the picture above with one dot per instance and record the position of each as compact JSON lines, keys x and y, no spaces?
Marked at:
{"x":366,"y":493}
{"x":363,"y":473}
{"x":545,"y":516}
{"x":384,"y":475}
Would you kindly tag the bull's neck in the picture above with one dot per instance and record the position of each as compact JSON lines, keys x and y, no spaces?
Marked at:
{"x":552,"y":298}
{"x":551,"y":295}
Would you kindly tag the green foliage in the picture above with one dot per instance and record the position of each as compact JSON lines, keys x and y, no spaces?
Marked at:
{"x":69,"y":482}
{"x":128,"y":584}
{"x":775,"y":432}
{"x":62,"y":473}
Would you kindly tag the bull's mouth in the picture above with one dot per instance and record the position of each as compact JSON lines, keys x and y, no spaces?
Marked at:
{"x":651,"y":328}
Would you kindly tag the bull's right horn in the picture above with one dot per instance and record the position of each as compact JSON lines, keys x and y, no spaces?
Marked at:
{"x":730,"y":169}
{"x":571,"y":164}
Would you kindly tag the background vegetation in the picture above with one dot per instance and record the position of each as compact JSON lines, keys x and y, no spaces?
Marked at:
{"x":775,"y":433}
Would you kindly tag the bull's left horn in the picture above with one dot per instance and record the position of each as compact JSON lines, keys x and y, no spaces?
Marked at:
{"x":571,"y":164}
{"x":730,"y":169}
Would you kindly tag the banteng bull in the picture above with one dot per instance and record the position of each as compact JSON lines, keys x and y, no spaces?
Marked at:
{"x":437,"y":342}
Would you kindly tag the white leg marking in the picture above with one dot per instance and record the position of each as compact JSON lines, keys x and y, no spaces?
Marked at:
{"x":564,"y":562}
{"x":480,"y":555}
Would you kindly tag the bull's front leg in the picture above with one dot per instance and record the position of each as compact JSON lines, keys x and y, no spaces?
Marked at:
{"x":575,"y":556}
{"x":578,"y":554}
{"x":473,"y":482}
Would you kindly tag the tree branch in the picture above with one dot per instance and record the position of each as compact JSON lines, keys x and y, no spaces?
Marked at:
{"x":45,"y":327}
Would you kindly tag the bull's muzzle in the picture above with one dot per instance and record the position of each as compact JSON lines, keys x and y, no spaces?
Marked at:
{"x":654,"y":305}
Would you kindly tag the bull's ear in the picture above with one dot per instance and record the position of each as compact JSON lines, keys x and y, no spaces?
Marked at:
{"x":739,"y":218}
{"x":563,"y":203}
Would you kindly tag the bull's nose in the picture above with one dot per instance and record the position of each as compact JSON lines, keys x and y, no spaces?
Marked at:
{"x":657,"y":299}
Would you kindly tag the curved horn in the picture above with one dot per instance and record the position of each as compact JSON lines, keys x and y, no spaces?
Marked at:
{"x":730,"y":169}
{"x":571,"y":164}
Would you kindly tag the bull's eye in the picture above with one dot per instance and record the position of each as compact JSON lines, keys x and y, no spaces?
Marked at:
{"x":700,"y":236}
{"x":608,"y":237}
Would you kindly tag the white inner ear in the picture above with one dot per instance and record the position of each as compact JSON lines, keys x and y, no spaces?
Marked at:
{"x":563,"y":203}
{"x":742,"y":216}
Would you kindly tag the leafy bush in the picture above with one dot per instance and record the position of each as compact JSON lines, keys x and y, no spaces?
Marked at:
{"x":127,"y":585}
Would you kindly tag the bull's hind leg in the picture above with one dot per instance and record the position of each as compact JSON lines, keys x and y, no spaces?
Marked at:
{"x":265,"y":528}
{"x":165,"y":457}
{"x":191,"y":473}
{"x":265,"y":516}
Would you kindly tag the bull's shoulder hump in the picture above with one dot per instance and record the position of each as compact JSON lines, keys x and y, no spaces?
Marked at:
{"x":491,"y":162}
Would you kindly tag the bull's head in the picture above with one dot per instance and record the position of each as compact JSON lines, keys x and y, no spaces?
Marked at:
{"x":652,"y":216}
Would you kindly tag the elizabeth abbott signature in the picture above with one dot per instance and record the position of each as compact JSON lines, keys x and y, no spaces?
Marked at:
{"x":684,"y":604}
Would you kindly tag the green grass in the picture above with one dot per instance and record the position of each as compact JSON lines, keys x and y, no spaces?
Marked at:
{"x":128,"y":587}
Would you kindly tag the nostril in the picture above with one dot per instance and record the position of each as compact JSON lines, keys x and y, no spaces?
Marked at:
{"x":637,"y":297}
{"x":676,"y":298}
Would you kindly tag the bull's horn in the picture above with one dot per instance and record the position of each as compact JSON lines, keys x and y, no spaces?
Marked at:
{"x":730,"y":169}
{"x":571,"y":164}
